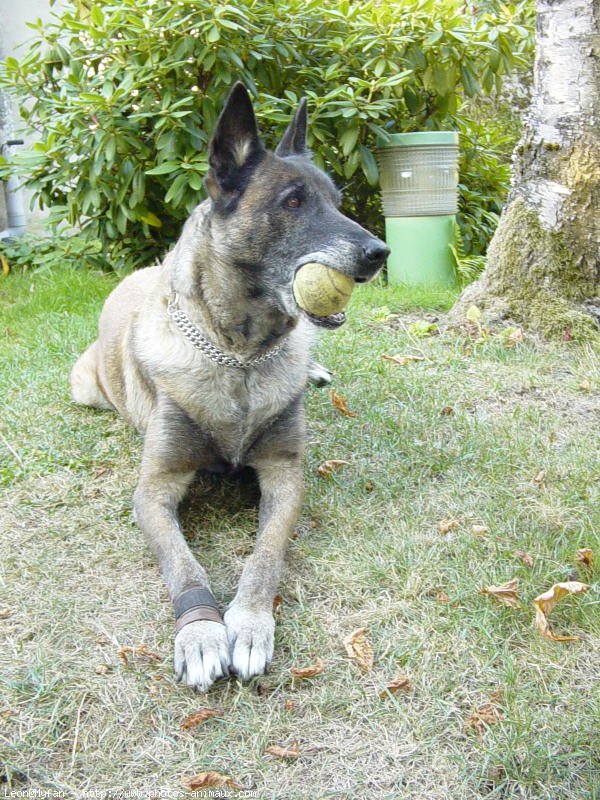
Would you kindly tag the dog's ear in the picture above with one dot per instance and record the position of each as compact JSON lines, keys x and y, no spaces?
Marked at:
{"x":235,"y":144}
{"x":294,"y":139}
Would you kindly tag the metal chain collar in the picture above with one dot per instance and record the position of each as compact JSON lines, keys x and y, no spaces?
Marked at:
{"x":200,"y":342}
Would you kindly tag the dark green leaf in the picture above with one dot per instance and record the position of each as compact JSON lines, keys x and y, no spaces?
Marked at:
{"x":469,"y":81}
{"x":369,"y":165}
{"x":348,"y":140}
{"x":166,"y":168}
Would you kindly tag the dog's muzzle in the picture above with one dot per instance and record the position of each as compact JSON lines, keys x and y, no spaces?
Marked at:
{"x":331,"y":322}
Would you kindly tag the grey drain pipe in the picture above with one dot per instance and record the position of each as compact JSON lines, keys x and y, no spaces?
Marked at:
{"x":15,"y":208}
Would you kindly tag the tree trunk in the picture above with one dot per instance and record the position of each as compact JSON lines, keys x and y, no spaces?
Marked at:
{"x":543,"y":267}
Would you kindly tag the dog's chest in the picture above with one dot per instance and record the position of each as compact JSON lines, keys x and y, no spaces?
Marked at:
{"x":234,"y":407}
{"x":231,"y":406}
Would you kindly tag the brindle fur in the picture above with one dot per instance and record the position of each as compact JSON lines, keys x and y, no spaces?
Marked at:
{"x":232,"y":270}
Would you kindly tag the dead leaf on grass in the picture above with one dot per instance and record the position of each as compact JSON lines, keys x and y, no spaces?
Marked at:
{"x":524,"y":557}
{"x":328,"y":467}
{"x":141,"y":650}
{"x":5,"y":713}
{"x":123,"y":655}
{"x":442,"y":597}
{"x":472,"y":327}
{"x":200,"y":717}
{"x":508,"y":593}
{"x":496,"y":773}
{"x":402,"y":360}
{"x":339,"y":402}
{"x":290,"y":705}
{"x":360,"y":649}
{"x":585,"y":557}
{"x":309,"y":672}
{"x":473,"y":314}
{"x":486,"y":715}
{"x":497,"y":696}
{"x":479,"y":530}
{"x":545,"y":602}
{"x":215,"y":780}
{"x":400,"y":684}
{"x":540,"y":477}
{"x":511,"y":337}
{"x":423,"y":327}
{"x":284,"y":752}
{"x":154,"y":685}
{"x":446,"y":525}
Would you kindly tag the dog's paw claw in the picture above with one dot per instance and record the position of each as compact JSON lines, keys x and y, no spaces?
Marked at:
{"x":201,"y":654}
{"x":251,"y":639}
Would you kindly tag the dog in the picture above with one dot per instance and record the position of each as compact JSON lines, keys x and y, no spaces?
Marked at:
{"x":208,"y":357}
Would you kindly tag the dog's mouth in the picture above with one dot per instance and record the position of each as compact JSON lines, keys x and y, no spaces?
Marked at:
{"x":332,"y":321}
{"x":329,"y":321}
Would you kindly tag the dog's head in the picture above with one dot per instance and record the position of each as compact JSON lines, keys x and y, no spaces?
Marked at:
{"x":274,"y":212}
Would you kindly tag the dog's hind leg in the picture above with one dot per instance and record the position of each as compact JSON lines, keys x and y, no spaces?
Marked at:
{"x":85,"y":388}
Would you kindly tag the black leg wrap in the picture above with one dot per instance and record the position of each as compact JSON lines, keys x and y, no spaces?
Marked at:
{"x":196,"y":604}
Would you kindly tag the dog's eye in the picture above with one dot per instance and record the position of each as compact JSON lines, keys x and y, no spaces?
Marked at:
{"x":293,"y":197}
{"x":293,"y":201}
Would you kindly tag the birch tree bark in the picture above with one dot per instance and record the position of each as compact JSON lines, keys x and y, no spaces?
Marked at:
{"x":543,"y":267}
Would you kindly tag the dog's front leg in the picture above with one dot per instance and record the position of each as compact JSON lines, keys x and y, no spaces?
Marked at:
{"x":201,"y":646}
{"x":249,"y":618}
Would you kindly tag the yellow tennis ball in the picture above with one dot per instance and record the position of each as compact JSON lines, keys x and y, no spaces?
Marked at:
{"x":321,"y":290}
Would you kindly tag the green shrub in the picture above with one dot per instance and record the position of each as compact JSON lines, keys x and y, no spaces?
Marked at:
{"x":125,"y":96}
{"x":466,"y":268}
{"x":45,"y":253}
{"x":484,"y":180}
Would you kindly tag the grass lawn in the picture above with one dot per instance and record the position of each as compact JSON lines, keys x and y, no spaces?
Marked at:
{"x":477,"y":432}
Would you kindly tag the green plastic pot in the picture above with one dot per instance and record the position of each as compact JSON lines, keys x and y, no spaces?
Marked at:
{"x":419,"y":185}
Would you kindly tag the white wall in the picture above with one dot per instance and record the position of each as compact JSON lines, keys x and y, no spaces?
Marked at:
{"x":14,"y":15}
{"x":14,"y":34}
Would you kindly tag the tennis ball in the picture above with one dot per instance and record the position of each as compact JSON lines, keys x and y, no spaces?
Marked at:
{"x":321,"y":290}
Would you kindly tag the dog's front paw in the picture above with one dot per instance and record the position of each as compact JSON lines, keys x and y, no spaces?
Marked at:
{"x":318,"y":375}
{"x":201,"y":654}
{"x":251,"y":638}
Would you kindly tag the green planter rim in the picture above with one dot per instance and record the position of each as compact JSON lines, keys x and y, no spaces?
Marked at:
{"x":419,"y":138}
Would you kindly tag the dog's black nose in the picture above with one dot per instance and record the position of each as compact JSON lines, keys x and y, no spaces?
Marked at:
{"x":375,"y":251}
